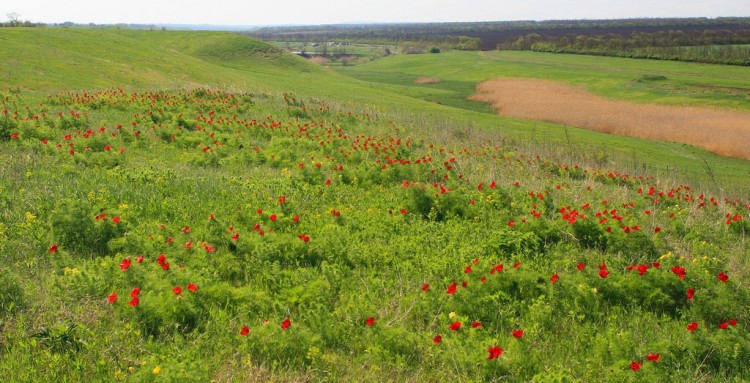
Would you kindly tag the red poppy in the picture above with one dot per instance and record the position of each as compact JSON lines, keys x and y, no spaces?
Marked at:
{"x":370,"y":321}
{"x":285,"y":324}
{"x":245,"y":330}
{"x":192,"y":287}
{"x":53,"y":248}
{"x":580,"y":266}
{"x":177,"y":290}
{"x":679,"y":271}
{"x":272,"y":217}
{"x":467,"y":269}
{"x":653,"y":357}
{"x":690,"y":293}
{"x":295,"y":219}
{"x":116,"y":220}
{"x":635,"y":366}
{"x":494,"y":352}
{"x":723,"y":277}
{"x":603,"y":273}
{"x":14,"y":136}
{"x":135,"y":292}
{"x":236,"y":236}
{"x":733,"y":322}
{"x":518,"y":334}
{"x":692,"y":326}
{"x":437,"y":339}
{"x":517,"y":265}
{"x":476,"y":324}
{"x":724,"y":325}
{"x":452,"y":288}
{"x":125,"y":264}
{"x":425,"y":287}
{"x":134,"y":302}
{"x":112,"y":297}
{"x":139,"y":259}
{"x":554,"y":278}
{"x":455,"y":326}
{"x":328,"y":182}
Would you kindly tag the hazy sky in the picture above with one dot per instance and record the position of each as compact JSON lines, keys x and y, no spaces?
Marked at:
{"x":253,"y":12}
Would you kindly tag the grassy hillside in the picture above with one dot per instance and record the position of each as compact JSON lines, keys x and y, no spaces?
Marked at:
{"x":318,"y":228}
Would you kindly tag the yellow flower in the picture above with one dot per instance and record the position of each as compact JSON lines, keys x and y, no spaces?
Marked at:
{"x":156,"y":370}
{"x":452,"y":315}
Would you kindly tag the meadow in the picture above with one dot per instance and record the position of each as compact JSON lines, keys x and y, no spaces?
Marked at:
{"x":217,"y":210}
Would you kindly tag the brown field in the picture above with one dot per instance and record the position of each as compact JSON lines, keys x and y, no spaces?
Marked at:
{"x":723,"y":132}
{"x":422,"y":80}
{"x":319,"y":60}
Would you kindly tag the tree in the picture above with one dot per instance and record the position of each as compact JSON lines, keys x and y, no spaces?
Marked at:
{"x":13,"y":18}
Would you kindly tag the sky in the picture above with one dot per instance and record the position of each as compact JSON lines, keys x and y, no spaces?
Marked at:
{"x":281,"y":12}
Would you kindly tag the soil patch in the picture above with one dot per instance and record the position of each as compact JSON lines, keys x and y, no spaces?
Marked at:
{"x":422,"y":80}
{"x":721,"y":131}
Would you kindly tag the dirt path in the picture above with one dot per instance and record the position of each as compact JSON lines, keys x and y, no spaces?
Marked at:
{"x":723,"y":132}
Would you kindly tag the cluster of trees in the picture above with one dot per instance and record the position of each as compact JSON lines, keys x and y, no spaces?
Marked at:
{"x":712,"y":45}
{"x":14,"y":20}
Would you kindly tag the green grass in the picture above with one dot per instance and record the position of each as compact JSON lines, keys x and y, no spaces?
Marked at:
{"x":399,"y":200}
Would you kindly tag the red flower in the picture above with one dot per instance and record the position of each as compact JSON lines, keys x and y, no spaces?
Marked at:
{"x":580,"y":266}
{"x":285,"y":324}
{"x":437,"y":339}
{"x":370,"y":321}
{"x":53,"y":248}
{"x":690,"y":293}
{"x":511,"y":223}
{"x":328,"y":182}
{"x":517,"y":265}
{"x":134,"y":302}
{"x":692,"y":326}
{"x":653,"y":357}
{"x":192,"y":287}
{"x":724,"y":325}
{"x":272,"y":217}
{"x":635,"y":366}
{"x":112,"y":297}
{"x":135,"y":292}
{"x":680,"y":271}
{"x":467,"y":270}
{"x":236,"y":236}
{"x":733,"y":322}
{"x":139,"y":259}
{"x":455,"y":326}
{"x":245,"y":330}
{"x":554,"y":278}
{"x":603,"y":273}
{"x":495,"y":352}
{"x":452,"y":288}
{"x":723,"y":277}
{"x":116,"y":220}
{"x":476,"y":324}
{"x":295,"y":219}
{"x":14,"y":136}
{"x":177,"y":290}
{"x":425,"y":287}
{"x":125,"y":264}
{"x":518,"y":334}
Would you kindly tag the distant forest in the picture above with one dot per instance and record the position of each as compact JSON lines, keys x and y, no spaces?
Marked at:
{"x":688,"y":39}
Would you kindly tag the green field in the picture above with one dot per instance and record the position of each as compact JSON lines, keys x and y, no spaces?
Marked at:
{"x":199,"y":206}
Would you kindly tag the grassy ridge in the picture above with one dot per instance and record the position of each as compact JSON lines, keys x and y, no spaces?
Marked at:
{"x":63,"y":59}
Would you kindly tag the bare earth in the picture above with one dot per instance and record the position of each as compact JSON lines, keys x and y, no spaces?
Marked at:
{"x":723,"y":132}
{"x":422,"y":80}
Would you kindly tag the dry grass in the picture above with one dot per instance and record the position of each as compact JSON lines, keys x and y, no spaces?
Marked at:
{"x":320,"y":60}
{"x":423,"y":80}
{"x":723,"y":132}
